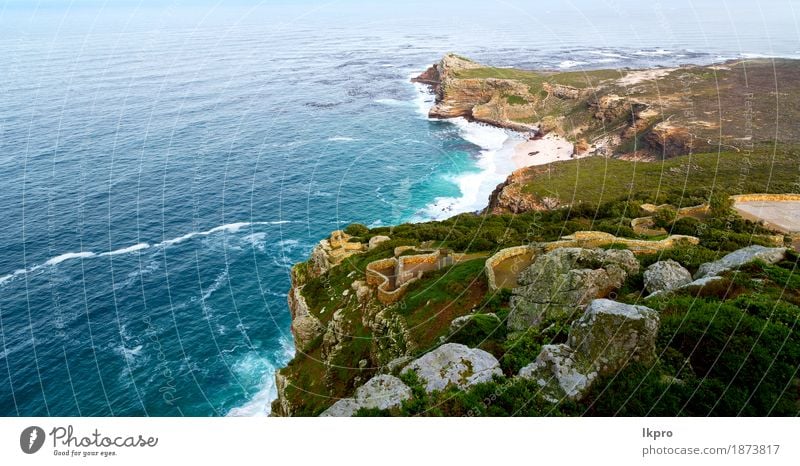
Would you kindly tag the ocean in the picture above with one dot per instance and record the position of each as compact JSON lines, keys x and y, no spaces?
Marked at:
{"x":164,"y":164}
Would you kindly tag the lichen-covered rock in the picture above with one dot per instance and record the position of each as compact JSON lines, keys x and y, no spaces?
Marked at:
{"x":560,"y":374}
{"x":610,"y":334}
{"x":363,"y":292}
{"x":739,"y":258}
{"x":454,"y":364}
{"x":665,"y":276}
{"x":376,"y":240}
{"x":560,"y":282}
{"x":380,"y":392}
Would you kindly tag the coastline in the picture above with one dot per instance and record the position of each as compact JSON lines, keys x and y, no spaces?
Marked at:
{"x":502,"y":151}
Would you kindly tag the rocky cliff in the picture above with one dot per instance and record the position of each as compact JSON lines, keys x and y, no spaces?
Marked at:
{"x":636,"y":115}
{"x":578,"y":318}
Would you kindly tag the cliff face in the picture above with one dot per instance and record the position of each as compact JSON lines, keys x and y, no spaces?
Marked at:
{"x":342,"y":333}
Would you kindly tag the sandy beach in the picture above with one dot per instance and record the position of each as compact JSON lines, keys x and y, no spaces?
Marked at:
{"x":550,"y":148}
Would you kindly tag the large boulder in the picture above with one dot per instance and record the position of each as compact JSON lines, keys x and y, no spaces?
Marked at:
{"x":380,"y":392}
{"x":562,"y":281}
{"x":611,"y":334}
{"x":739,"y":258}
{"x":608,"y":336}
{"x":665,"y":276}
{"x":454,"y":364}
{"x":559,"y":373}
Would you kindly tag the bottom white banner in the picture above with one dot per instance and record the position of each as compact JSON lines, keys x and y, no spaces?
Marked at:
{"x":448,"y":441}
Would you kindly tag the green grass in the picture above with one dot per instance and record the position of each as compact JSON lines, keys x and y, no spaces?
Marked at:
{"x":596,"y":180}
{"x":534,"y":79}
{"x":515,"y":100}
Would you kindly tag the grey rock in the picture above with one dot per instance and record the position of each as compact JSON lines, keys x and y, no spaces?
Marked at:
{"x":380,"y":392}
{"x":559,"y":374}
{"x":610,"y":334}
{"x":665,"y":276}
{"x":363,"y":292}
{"x":460,"y":322}
{"x":397,"y":363}
{"x":739,"y":258}
{"x":562,"y":281}
{"x":454,"y":364}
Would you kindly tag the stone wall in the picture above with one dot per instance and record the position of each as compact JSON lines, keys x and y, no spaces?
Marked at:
{"x":596,"y":239}
{"x":765,"y":197}
{"x":374,"y":276}
{"x":499,"y":257}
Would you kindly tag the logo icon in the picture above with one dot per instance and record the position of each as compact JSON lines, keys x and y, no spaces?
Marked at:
{"x":31,"y":439}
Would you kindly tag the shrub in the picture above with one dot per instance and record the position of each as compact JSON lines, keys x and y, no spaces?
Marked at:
{"x":665,"y":217}
{"x":520,"y":351}
{"x":356,"y":229}
{"x":478,"y":330}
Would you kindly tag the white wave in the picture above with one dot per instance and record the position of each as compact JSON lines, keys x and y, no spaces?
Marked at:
{"x":494,"y":164}
{"x":253,"y":366}
{"x":12,"y":276}
{"x":425,"y":99}
{"x":342,"y":139}
{"x":571,"y":64}
{"x":221,"y":279}
{"x":288,"y":244}
{"x":131,"y":355}
{"x":653,"y":53}
{"x":393,"y":102}
{"x":227,"y":228}
{"x":607,"y":54}
{"x":128,"y":250}
{"x":70,"y":255}
{"x":256,"y":240}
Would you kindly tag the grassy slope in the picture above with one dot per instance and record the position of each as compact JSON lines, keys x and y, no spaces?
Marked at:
{"x":596,"y":180}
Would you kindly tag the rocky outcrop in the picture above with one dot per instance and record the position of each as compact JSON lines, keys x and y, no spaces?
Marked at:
{"x":669,"y":141}
{"x":560,"y":282}
{"x":454,"y":364}
{"x":479,"y":99}
{"x":380,"y":392}
{"x":608,"y":336}
{"x":665,"y":276}
{"x":563,"y":92}
{"x":739,"y":258}
{"x":305,"y":327}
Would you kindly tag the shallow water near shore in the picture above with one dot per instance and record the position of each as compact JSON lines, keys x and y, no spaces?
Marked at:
{"x":164,"y":168}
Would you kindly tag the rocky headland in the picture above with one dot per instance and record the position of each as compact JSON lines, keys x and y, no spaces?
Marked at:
{"x":560,"y":299}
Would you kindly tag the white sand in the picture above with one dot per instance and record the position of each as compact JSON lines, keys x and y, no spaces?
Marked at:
{"x":550,"y":148}
{"x":635,"y":77}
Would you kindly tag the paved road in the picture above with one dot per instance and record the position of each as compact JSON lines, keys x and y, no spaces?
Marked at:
{"x":783,"y":215}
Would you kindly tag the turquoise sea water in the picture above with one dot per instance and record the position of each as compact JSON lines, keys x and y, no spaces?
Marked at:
{"x":164,"y":164}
